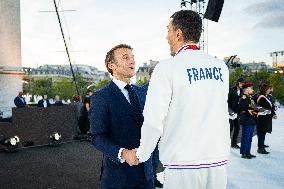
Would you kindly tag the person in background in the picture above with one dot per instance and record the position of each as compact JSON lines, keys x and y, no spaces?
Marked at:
{"x":87,"y":99}
{"x":264,"y":120}
{"x":233,"y":103}
{"x":20,"y":101}
{"x":57,"y":101}
{"x":78,"y":106}
{"x":44,"y":102}
{"x":248,"y":113}
{"x":271,"y":99}
{"x":84,"y":122}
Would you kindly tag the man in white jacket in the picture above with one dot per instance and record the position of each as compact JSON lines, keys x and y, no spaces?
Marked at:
{"x":186,"y":107}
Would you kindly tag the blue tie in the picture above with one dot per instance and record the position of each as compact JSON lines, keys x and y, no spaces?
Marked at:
{"x":133,"y":99}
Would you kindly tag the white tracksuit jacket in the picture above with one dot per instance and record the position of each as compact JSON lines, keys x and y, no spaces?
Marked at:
{"x":186,"y":107}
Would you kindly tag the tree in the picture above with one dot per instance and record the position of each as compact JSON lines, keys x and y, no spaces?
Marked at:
{"x":65,"y":89}
{"x":82,"y":83}
{"x":274,"y":80}
{"x":257,"y":78}
{"x":41,"y":87}
{"x":101,"y":84}
{"x":141,"y":83}
{"x":277,"y":82}
{"x":235,"y":75}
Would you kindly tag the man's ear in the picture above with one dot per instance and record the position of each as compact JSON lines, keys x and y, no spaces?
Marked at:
{"x":111,"y":66}
{"x":179,"y":35}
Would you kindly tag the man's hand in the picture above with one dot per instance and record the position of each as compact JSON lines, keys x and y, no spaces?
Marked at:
{"x":130,"y":157}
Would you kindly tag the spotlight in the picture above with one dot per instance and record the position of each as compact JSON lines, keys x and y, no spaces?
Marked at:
{"x":55,"y":139}
{"x":12,"y":144}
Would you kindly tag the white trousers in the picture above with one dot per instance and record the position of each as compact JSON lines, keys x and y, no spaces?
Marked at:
{"x":206,"y":178}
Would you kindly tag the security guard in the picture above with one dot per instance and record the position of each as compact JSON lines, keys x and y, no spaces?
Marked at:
{"x":248,"y":113}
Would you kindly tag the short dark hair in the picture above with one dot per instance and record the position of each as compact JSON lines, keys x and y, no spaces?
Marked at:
{"x":110,"y":55}
{"x":263,"y":87}
{"x":189,"y":22}
{"x":76,"y":98}
{"x":240,"y":80}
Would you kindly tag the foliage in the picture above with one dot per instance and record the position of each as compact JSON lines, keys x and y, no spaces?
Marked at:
{"x":272,"y":79}
{"x":258,"y":77}
{"x":141,"y":83}
{"x":82,"y":84}
{"x":41,"y":87}
{"x":277,"y":82}
{"x":64,"y":88}
{"x":101,"y":84}
{"x":234,"y":76}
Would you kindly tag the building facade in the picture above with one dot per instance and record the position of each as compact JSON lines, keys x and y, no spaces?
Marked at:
{"x":142,"y":73}
{"x":59,"y":72}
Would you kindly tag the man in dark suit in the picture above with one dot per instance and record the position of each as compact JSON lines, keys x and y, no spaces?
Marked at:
{"x":116,"y":119}
{"x":20,"y":101}
{"x":44,"y":102}
{"x":233,"y":103}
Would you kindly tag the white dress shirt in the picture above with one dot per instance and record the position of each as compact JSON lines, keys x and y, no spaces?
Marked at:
{"x":44,"y":103}
{"x":121,"y":85}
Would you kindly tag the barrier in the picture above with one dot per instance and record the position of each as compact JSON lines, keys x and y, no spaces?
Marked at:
{"x":35,"y":125}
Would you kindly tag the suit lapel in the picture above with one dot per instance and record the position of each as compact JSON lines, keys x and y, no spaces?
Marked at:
{"x":117,"y":92}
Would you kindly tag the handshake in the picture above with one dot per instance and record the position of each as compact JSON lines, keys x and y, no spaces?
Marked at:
{"x":130,"y":157}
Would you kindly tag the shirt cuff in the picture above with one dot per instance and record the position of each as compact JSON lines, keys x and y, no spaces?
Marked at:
{"x":139,"y":155}
{"x":120,"y":155}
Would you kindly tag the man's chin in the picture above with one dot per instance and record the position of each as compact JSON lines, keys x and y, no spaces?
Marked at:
{"x":131,"y":75}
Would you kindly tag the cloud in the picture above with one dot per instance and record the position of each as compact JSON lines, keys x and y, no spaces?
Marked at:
{"x":270,"y":13}
{"x":271,"y":21}
{"x":265,"y":7}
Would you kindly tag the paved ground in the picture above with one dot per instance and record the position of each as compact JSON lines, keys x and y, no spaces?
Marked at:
{"x":74,"y":165}
{"x":71,"y":165}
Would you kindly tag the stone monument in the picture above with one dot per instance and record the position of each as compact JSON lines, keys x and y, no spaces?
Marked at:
{"x":10,"y":54}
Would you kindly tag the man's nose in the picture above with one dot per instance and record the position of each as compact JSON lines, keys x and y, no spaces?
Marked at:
{"x":132,"y":61}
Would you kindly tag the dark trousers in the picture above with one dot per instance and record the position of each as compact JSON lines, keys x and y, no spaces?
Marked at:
{"x":261,"y":138}
{"x":155,"y":161}
{"x":235,"y":129}
{"x":84,"y":123}
{"x":247,"y":134}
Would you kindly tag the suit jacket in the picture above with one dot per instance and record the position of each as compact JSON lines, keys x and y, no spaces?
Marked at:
{"x":40,"y":103}
{"x":233,"y":99}
{"x":115,"y":125}
{"x":264,"y":122}
{"x":20,"y":102}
